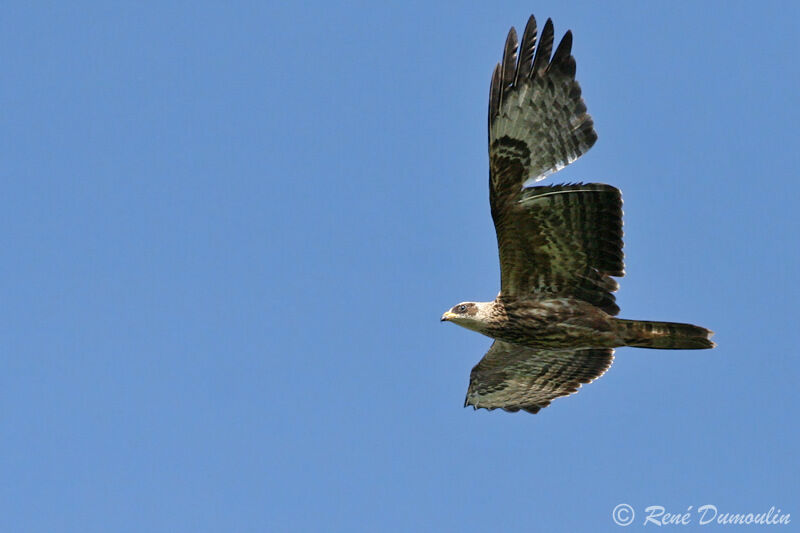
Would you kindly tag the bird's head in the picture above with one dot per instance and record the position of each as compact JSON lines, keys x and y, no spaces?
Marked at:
{"x":470,"y":315}
{"x":464,"y":310}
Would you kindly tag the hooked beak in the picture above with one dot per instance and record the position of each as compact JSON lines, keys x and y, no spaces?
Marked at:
{"x":447,"y":316}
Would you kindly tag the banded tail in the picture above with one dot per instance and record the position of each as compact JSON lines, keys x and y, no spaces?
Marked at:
{"x":663,"y":335}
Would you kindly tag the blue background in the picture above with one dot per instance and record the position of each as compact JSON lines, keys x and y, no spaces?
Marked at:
{"x":230,"y":231}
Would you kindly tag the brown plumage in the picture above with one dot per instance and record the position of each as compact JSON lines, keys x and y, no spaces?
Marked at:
{"x":560,"y":246}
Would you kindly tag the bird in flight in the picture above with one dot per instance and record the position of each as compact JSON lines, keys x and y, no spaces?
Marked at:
{"x":560,"y":246}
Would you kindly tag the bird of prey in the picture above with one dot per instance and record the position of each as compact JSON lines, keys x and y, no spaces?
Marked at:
{"x":560,"y":246}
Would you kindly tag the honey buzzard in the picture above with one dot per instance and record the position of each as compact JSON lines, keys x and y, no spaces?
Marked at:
{"x":553,"y":322}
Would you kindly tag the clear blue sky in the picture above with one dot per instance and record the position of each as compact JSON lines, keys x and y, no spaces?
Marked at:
{"x":230,"y":232}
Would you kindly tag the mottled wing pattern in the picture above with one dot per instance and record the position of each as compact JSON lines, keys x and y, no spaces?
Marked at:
{"x":537,"y":120}
{"x":563,"y":240}
{"x":513,"y":377}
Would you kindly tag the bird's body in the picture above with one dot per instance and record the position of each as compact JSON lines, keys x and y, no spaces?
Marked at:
{"x":547,"y":323}
{"x":560,"y":246}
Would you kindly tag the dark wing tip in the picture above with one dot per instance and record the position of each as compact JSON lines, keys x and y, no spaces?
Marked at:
{"x":562,"y":59}
{"x":545,"y":48}
{"x":494,"y":94}
{"x":565,"y":46}
{"x":526,"y":49}
{"x":509,"y":61}
{"x":559,"y":128}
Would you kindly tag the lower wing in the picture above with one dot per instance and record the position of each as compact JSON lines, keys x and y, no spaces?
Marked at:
{"x":513,"y":377}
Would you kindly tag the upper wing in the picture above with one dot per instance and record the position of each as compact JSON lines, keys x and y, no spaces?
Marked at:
{"x":563,"y":240}
{"x":537,"y":120}
{"x":515,"y":377}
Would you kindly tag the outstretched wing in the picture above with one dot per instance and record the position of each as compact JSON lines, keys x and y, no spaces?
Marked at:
{"x":537,"y":120}
{"x":563,"y":240}
{"x":513,"y":377}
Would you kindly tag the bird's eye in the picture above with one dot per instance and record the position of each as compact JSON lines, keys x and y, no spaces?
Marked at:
{"x":462,"y":308}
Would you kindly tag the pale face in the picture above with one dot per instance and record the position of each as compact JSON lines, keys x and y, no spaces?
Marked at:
{"x":470,"y":315}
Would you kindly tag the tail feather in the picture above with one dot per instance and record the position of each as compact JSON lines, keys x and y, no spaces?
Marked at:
{"x":664,"y":335}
